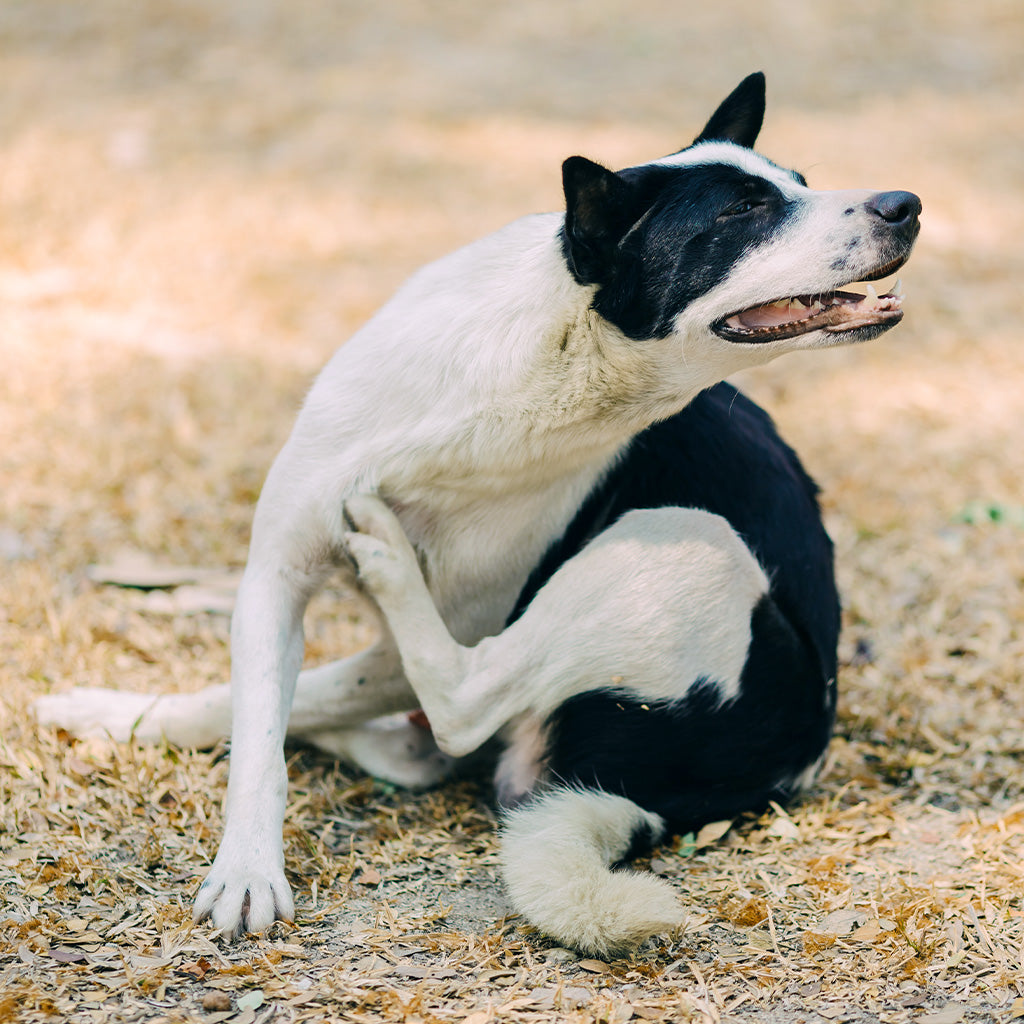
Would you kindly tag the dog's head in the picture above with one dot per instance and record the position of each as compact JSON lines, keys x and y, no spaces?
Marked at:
{"x":719,"y":244}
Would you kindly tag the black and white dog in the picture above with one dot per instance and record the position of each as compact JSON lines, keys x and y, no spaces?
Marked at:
{"x":578,"y":539}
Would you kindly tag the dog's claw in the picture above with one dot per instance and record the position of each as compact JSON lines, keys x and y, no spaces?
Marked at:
{"x":249,"y":899}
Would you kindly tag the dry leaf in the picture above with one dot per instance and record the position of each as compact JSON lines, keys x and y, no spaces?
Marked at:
{"x":67,"y":955}
{"x":841,"y":922}
{"x":198,"y":970}
{"x":815,"y":942}
{"x":745,"y":913}
{"x":783,"y":828}
{"x":867,"y":932}
{"x":711,"y":833}
{"x":250,"y":1001}
{"x":620,"y":1013}
{"x":951,"y":1013}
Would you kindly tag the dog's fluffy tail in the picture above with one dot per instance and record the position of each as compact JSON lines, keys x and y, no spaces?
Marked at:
{"x":558,"y":853}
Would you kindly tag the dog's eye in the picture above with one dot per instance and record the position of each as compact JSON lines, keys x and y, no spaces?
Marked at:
{"x":745,"y":206}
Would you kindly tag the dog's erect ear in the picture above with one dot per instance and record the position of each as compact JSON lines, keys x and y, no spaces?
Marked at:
{"x":740,"y":115}
{"x":599,"y":209}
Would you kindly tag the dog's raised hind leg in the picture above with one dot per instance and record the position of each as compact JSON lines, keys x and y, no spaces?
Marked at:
{"x":679,"y":612}
{"x":463,"y":709}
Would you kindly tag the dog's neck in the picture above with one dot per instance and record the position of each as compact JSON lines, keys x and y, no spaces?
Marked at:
{"x":532,"y":378}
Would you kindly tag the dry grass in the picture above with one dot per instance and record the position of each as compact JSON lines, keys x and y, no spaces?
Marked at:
{"x":197,"y":203}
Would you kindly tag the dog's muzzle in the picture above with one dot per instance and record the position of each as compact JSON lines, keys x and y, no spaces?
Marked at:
{"x":895,"y":217}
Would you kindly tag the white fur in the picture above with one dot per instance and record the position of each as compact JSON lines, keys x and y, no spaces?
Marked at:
{"x":391,"y":748}
{"x":683,"y":581}
{"x":556,"y":854}
{"x":193,"y":719}
{"x":357,"y":691}
{"x":797,"y":262}
{"x":522,"y":761}
{"x":482,"y":403}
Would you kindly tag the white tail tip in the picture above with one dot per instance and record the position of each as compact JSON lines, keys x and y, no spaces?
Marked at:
{"x":557,"y":856}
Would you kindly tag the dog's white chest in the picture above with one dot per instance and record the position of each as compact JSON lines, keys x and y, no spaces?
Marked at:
{"x":478,"y":554}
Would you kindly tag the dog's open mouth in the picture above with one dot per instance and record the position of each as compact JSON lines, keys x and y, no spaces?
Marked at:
{"x":834,"y":312}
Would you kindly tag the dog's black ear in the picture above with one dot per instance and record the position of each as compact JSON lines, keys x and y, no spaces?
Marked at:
{"x":599,"y":209}
{"x":740,"y":115}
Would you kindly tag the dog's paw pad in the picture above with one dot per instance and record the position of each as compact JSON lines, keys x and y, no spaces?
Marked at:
{"x":384,"y":557}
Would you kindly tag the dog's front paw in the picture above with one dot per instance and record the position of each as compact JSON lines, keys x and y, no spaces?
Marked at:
{"x":384,"y":558}
{"x":242,"y":893}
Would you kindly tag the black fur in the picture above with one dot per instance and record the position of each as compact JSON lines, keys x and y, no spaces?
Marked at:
{"x":697,"y":224}
{"x":693,"y":761}
{"x":723,"y":454}
{"x":740,"y":115}
{"x":697,"y":760}
{"x":655,"y":237}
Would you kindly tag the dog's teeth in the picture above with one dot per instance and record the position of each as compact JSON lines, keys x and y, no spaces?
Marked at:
{"x":872,"y":293}
{"x":797,"y":303}
{"x":897,"y":289}
{"x":781,"y":304}
{"x":817,"y":306}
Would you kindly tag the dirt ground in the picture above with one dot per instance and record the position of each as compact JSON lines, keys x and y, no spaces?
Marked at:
{"x":198,"y":202}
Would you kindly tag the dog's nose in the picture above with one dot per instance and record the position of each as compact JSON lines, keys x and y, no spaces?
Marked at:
{"x":898,"y":209}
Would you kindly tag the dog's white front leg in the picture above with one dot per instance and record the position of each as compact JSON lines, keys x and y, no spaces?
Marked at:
{"x":295,"y":546}
{"x":246,"y":888}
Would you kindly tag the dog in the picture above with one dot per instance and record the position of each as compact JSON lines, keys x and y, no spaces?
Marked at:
{"x":578,"y":539}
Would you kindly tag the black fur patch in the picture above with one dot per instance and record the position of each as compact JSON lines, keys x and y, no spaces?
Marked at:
{"x":697,"y":760}
{"x":723,"y":454}
{"x":640,"y":844}
{"x":687,"y":228}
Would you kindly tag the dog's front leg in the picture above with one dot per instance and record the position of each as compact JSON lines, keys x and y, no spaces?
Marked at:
{"x":246,"y":888}
{"x":294,"y":548}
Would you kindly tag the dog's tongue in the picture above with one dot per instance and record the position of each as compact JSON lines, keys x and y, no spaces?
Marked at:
{"x":774,"y":314}
{"x":834,"y":311}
